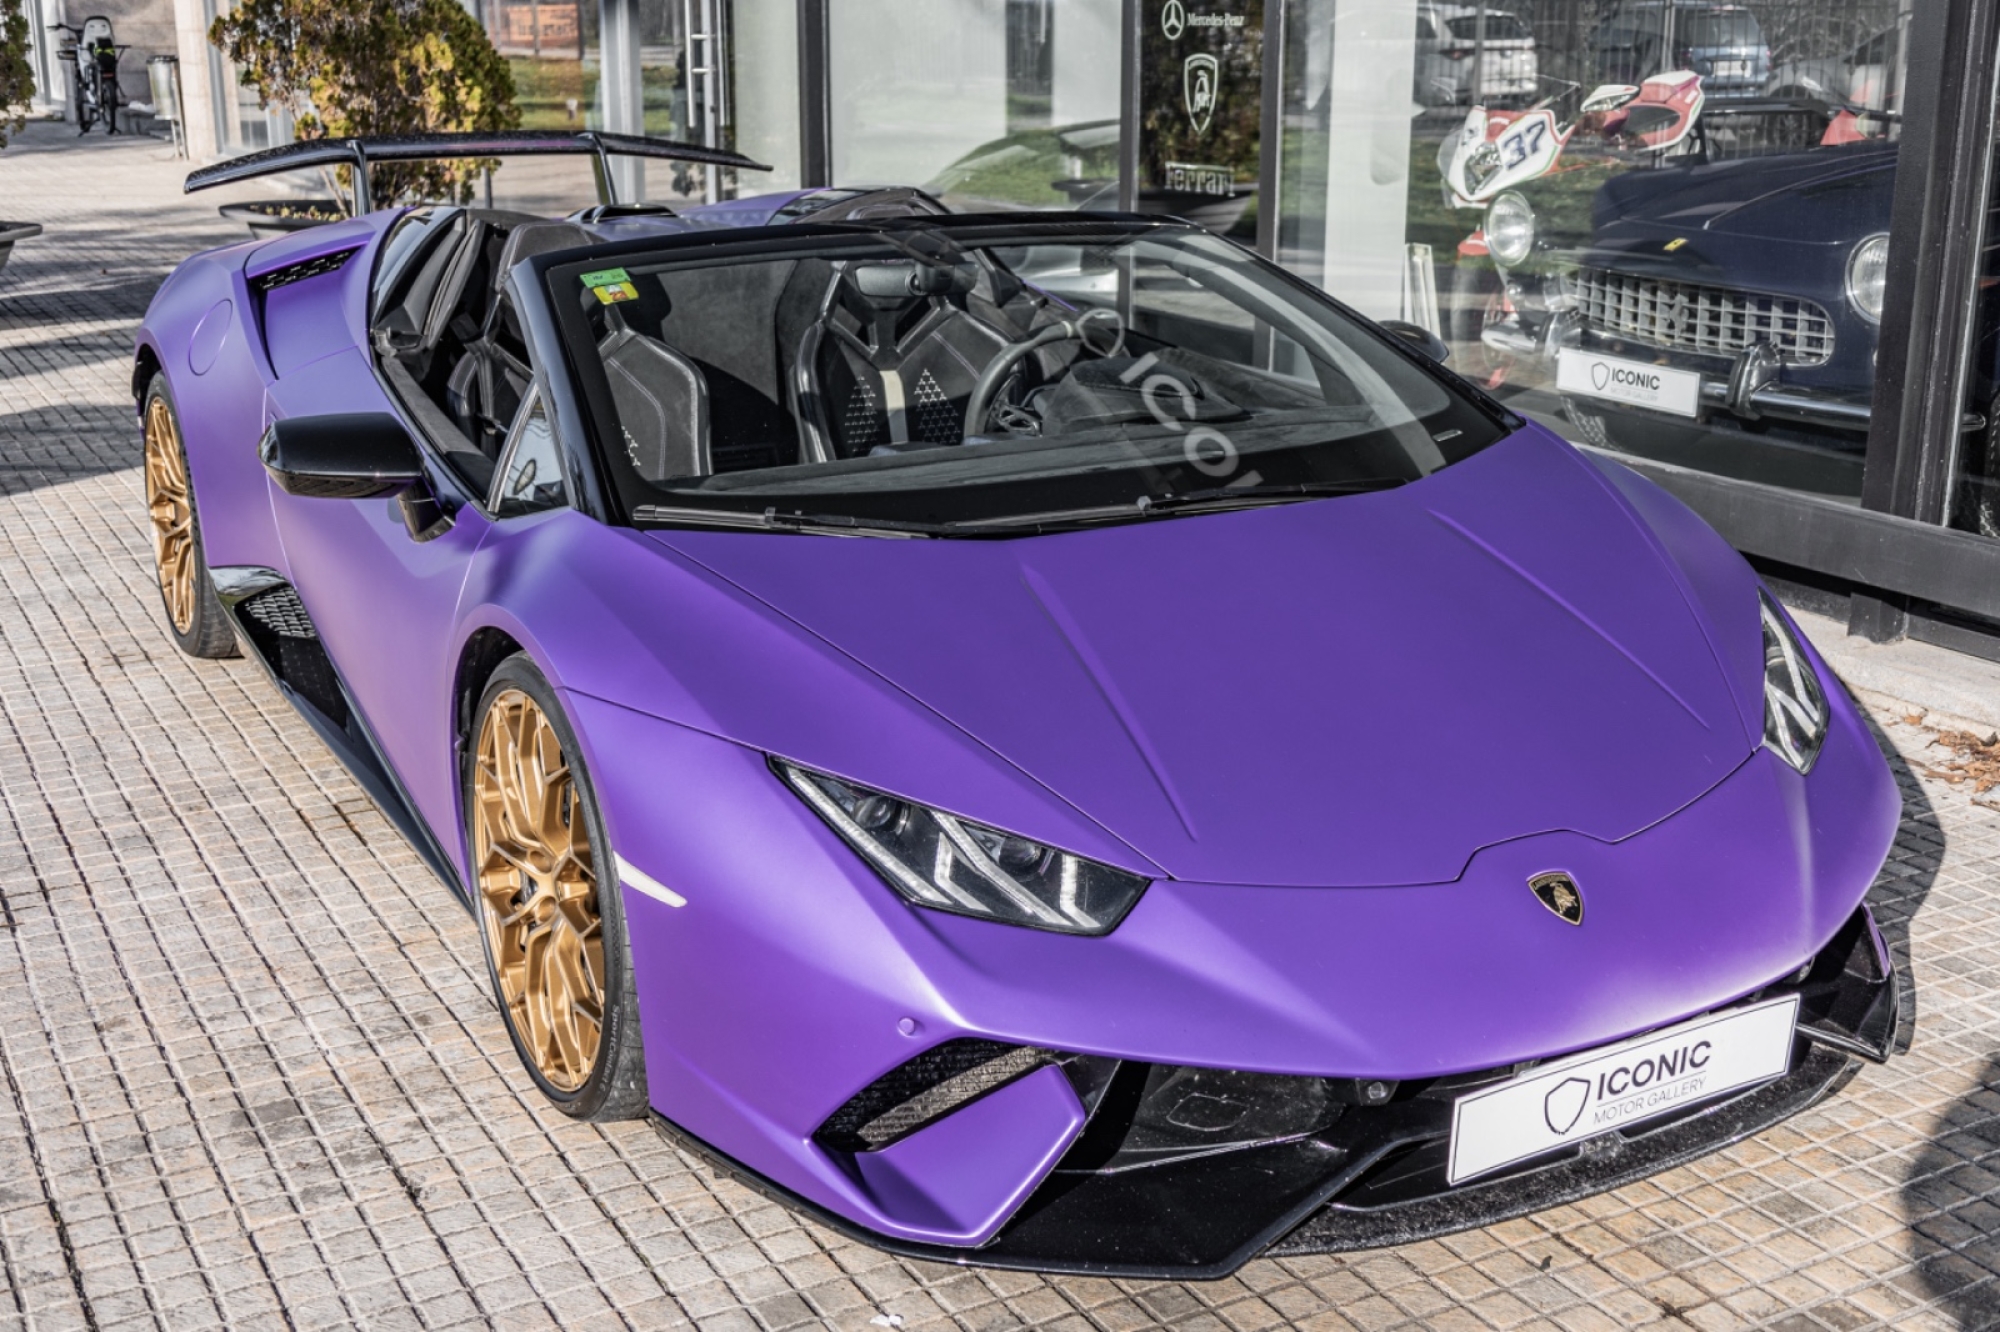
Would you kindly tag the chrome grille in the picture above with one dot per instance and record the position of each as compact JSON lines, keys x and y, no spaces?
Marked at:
{"x":1694,"y":317}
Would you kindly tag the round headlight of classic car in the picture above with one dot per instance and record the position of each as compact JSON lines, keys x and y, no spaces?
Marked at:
{"x":1510,"y":229}
{"x":1868,"y":276}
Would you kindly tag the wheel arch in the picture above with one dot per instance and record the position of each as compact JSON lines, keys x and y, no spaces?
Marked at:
{"x":478,"y":657}
{"x":145,"y":364}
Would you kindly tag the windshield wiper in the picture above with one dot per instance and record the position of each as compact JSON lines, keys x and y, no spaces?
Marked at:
{"x":1215,"y":500}
{"x":770,"y":520}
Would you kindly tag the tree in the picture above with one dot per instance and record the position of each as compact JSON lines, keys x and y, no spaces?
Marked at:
{"x":353,"y":67}
{"x":17,"y":76}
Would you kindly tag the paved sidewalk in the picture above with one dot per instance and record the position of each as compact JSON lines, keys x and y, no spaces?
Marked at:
{"x":250,"y":1074}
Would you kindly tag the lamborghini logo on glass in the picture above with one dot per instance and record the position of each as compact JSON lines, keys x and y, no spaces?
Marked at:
{"x":1558,"y":892}
{"x":1200,"y":75}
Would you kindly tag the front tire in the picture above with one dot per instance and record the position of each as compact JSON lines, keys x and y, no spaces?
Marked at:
{"x":195,"y":617}
{"x":552,"y":920}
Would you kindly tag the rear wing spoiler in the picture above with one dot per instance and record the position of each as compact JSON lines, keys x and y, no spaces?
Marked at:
{"x":359,"y":152}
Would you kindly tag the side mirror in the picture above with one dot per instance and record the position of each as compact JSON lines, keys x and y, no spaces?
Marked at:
{"x":351,"y":455}
{"x":1425,"y":341}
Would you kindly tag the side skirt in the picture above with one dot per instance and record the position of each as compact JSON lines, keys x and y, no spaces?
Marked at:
{"x":275,"y":631}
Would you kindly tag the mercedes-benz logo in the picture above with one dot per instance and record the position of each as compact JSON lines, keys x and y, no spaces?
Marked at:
{"x":1173,"y":20}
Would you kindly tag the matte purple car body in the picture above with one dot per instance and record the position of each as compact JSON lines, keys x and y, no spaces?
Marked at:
{"x":1339,"y":735}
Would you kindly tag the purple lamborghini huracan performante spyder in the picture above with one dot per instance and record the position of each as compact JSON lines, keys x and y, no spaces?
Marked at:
{"x":1039,"y":740}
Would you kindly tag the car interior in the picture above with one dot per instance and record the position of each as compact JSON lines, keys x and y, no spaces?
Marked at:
{"x":711,"y":369}
{"x":772,"y":362}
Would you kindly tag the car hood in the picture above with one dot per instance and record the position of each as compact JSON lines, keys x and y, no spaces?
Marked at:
{"x":1352,"y":691}
{"x":1822,"y":196}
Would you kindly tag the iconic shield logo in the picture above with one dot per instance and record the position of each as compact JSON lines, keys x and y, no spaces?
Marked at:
{"x":1557,"y":891}
{"x":1200,"y":76}
{"x":1600,"y":374}
{"x":1563,"y":1106}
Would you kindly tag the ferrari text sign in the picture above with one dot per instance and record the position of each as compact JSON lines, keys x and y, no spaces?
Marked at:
{"x":1614,"y":379}
{"x":1620,"y":1085}
{"x":1200,"y":109}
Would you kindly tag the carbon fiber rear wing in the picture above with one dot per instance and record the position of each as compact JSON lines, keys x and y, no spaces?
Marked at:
{"x":358,"y":153}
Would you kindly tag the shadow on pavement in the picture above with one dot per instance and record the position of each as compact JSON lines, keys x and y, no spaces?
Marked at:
{"x":1907,"y":878}
{"x":1951,"y":1192}
{"x":1952,"y":1195}
{"x":48,"y":446}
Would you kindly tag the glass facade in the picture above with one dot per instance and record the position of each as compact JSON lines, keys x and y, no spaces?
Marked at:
{"x":1658,"y":226}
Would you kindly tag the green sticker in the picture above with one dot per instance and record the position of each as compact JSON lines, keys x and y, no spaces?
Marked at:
{"x":612,"y":285}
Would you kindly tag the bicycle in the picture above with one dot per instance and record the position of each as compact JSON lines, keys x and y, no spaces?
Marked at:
{"x":95,"y":53}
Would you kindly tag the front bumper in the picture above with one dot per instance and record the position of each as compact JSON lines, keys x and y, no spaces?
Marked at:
{"x":1371,"y":1175}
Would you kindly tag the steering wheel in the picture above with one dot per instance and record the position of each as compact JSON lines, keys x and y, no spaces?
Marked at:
{"x":1100,"y":330}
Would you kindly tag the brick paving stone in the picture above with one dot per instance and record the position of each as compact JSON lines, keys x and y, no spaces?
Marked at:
{"x":250,"y":1074}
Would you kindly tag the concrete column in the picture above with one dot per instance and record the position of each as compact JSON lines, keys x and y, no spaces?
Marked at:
{"x":621,"y":99}
{"x":197,"y":88}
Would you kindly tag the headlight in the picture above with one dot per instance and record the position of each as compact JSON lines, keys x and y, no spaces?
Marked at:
{"x":1795,"y":713}
{"x":1868,"y":276}
{"x":939,"y":860}
{"x":1510,"y":229}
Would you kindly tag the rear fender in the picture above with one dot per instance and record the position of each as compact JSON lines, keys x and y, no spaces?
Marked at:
{"x":196,"y":335}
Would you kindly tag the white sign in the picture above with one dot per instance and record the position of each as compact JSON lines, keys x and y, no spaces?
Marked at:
{"x":1624,"y":1084}
{"x":1656,"y":386}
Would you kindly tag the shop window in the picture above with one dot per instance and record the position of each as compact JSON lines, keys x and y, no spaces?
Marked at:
{"x":986,"y":103}
{"x":710,"y":72}
{"x":1656,"y":226}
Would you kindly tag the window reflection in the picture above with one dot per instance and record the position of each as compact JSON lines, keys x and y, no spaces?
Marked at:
{"x":1658,"y":226}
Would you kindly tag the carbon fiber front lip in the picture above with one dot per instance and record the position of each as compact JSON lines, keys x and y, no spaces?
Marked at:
{"x":1604,"y":1163}
{"x":1204,"y":1218}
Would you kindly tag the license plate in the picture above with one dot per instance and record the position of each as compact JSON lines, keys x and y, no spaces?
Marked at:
{"x":1732,"y":69}
{"x":1617,"y":380}
{"x":1620,"y":1085}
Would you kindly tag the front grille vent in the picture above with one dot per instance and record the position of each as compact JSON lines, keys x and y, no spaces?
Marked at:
{"x":925,"y":1090}
{"x":280,"y":611}
{"x":303,"y":269}
{"x":1695,"y":317}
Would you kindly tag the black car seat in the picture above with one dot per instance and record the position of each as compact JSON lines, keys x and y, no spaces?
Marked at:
{"x":662,"y":402}
{"x":890,"y":359}
{"x":486,"y":386}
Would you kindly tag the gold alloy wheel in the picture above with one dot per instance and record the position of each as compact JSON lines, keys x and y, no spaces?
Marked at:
{"x":537,"y":890}
{"x":167,"y":504}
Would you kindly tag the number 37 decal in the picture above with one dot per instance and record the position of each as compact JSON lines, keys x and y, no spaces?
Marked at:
{"x":1528,"y":140}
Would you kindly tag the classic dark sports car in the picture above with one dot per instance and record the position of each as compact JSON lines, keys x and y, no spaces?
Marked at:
{"x":1743,"y":293}
{"x":1040,"y":739}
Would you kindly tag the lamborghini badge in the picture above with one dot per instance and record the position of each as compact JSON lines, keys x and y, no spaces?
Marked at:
{"x":1558,"y":892}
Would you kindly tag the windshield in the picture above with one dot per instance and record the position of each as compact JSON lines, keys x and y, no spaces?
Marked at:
{"x":972,"y":380}
{"x":1499,"y":28}
{"x":1721,"y":28}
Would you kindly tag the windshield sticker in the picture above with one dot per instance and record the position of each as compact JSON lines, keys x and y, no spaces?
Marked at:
{"x":612,"y":285}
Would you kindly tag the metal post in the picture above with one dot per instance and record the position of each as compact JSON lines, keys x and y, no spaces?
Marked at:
{"x":1271,"y":136}
{"x":815,"y":81}
{"x":1473,"y":97}
{"x":701,"y":22}
{"x":1937,"y":226}
{"x":1130,"y":113}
